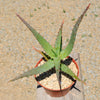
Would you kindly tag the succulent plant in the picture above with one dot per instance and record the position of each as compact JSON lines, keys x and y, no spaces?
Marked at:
{"x":53,"y":55}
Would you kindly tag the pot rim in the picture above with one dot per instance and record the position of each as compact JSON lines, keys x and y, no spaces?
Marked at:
{"x":58,"y":89}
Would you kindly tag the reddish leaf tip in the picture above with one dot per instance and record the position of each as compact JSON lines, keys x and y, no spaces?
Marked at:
{"x":35,"y":49}
{"x":17,"y":14}
{"x":88,"y":6}
{"x":63,"y":21}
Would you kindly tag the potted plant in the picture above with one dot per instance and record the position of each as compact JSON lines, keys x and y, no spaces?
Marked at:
{"x":54,"y":61}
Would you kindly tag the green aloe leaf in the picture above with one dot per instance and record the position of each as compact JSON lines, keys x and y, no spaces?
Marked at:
{"x":70,"y":45}
{"x":58,"y":43}
{"x":42,"y":68}
{"x":42,"y":53}
{"x":57,"y":67}
{"x":67,"y":70}
{"x":46,"y":46}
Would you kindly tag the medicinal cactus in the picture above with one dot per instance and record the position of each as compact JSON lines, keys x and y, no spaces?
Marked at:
{"x":53,"y":55}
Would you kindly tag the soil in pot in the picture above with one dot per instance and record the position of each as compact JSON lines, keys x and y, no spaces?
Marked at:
{"x":49,"y":79}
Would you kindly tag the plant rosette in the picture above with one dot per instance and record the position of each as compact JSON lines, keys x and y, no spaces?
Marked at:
{"x":48,"y":80}
{"x":54,"y":59}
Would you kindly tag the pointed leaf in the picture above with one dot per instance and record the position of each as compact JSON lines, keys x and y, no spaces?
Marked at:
{"x":57,"y":67}
{"x":70,"y":45}
{"x":58,"y":43}
{"x":67,"y":70}
{"x":43,"y":68}
{"x":42,"y":53}
{"x":46,"y":46}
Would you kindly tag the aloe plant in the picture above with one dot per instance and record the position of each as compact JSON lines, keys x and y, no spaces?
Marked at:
{"x":53,"y":55}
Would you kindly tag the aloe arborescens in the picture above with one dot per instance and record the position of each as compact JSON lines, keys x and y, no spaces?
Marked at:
{"x":53,"y":55}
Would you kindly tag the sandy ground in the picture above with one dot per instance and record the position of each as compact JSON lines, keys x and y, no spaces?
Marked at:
{"x":16,"y":41}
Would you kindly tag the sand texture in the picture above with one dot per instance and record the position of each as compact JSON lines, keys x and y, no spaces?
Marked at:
{"x":16,"y":42}
{"x":51,"y":81}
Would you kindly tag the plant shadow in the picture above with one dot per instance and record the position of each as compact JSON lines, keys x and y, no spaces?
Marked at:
{"x":52,"y":71}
